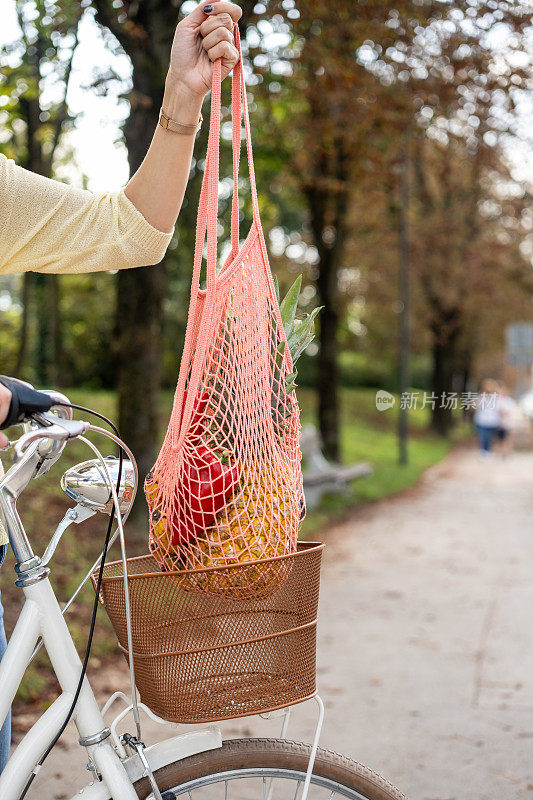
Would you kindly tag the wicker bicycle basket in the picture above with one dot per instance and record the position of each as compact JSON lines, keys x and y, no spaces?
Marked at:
{"x":200,"y":658}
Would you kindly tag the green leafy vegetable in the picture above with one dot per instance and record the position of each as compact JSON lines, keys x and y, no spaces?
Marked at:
{"x":299,"y":332}
{"x":289,"y":306}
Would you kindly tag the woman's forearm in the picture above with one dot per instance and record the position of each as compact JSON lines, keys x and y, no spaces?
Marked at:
{"x":158,"y":186}
{"x":205,"y":35}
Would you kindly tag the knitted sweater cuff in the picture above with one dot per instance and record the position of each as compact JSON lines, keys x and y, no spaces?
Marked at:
{"x":140,"y":231}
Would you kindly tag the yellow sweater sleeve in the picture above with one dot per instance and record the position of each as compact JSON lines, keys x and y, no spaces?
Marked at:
{"x":48,"y":226}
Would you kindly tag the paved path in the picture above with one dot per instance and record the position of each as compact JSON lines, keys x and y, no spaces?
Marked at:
{"x":426,"y":639}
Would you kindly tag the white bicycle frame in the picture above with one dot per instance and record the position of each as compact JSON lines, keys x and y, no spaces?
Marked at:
{"x":41,"y":616}
{"x":114,"y":769}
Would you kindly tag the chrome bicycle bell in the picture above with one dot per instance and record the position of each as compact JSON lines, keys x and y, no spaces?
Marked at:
{"x":87,"y":484}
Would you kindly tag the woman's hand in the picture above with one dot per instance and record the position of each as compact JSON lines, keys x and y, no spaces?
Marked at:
{"x":201,"y":38}
{"x":5,"y":402}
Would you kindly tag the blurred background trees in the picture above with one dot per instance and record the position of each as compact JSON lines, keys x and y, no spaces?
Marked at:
{"x":32,"y":131}
{"x":340,"y":94}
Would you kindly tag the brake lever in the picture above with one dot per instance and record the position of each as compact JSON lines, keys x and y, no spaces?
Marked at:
{"x":60,"y":430}
{"x":26,"y":426}
{"x":49,"y":450}
{"x":75,"y":515}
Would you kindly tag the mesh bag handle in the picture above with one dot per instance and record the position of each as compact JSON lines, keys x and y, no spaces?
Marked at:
{"x":208,"y":207}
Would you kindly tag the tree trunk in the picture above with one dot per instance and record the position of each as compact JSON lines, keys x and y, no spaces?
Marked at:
{"x":328,"y":370}
{"x":404,"y":335}
{"x":27,"y":280}
{"x":444,"y":360}
{"x":466,"y":359}
{"x":138,"y":322}
{"x":139,"y":368}
{"x":41,"y":359}
{"x":331,"y":253}
{"x":48,"y":344}
{"x":55,"y":366}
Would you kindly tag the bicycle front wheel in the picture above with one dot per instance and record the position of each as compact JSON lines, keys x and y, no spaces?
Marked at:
{"x":267,"y":769}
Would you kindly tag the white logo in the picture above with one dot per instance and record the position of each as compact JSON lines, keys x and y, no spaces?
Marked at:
{"x":384,"y":400}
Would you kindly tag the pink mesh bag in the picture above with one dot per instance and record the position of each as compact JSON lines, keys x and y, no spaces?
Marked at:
{"x":226,"y":488}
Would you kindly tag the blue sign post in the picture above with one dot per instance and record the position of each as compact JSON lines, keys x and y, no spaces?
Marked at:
{"x":519,"y":344}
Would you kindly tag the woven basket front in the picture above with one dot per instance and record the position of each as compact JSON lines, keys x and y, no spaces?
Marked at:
{"x":202,"y":658}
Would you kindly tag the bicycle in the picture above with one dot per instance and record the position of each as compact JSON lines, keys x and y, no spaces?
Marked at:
{"x":122,"y":767}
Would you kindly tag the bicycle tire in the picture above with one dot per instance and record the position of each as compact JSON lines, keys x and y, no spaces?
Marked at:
{"x":263,"y":756}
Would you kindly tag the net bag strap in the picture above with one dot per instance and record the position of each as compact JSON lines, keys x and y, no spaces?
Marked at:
{"x":208,"y":211}
{"x":208,"y":206}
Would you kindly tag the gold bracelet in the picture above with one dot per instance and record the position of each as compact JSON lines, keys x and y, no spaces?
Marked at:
{"x":174,"y":126}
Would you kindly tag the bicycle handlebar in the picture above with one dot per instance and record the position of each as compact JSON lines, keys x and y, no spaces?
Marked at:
{"x":25,"y":401}
{"x":31,"y":457}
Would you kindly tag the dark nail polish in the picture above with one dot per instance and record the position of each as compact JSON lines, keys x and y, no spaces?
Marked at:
{"x":208,"y":9}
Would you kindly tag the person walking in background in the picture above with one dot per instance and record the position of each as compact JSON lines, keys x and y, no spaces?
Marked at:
{"x":487,"y":416}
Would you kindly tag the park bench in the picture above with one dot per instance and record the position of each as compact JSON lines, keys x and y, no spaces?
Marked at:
{"x":320,"y":475}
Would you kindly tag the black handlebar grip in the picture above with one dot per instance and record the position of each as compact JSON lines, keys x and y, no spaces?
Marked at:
{"x":25,"y":401}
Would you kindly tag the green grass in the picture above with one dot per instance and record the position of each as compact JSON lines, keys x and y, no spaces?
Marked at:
{"x":367,"y":435}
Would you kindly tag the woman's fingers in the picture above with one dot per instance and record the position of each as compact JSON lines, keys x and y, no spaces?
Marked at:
{"x":216,"y":36}
{"x":5,"y":403}
{"x":199,"y":15}
{"x":228,"y":52}
{"x":214,"y":22}
{"x":223,"y":7}
{"x":217,"y":32}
